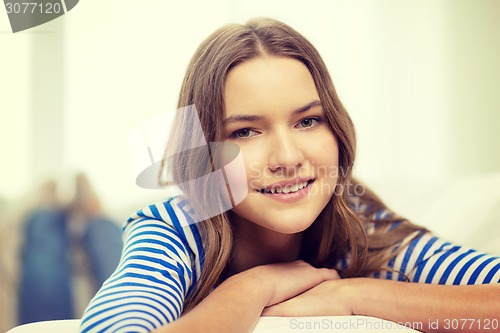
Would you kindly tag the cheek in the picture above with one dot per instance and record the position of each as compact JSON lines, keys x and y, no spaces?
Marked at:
{"x":254,"y":166}
{"x":333,"y":155}
{"x":325,"y":154}
{"x":326,"y":167}
{"x":233,"y":166}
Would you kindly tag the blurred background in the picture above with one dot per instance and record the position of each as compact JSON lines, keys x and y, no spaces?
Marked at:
{"x":421,"y":80}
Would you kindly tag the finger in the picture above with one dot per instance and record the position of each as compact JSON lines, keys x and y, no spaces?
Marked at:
{"x":330,"y":274}
{"x":326,"y":273}
{"x":290,"y":279}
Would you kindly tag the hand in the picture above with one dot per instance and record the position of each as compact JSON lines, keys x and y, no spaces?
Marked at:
{"x":330,"y":298}
{"x":286,"y":280}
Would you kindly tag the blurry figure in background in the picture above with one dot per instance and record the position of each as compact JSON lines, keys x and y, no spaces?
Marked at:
{"x":53,"y":235}
{"x":4,"y":276}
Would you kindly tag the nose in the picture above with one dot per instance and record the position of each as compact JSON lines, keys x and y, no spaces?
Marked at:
{"x":285,"y":154}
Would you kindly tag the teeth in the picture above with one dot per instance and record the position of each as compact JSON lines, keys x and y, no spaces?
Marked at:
{"x":289,"y":188}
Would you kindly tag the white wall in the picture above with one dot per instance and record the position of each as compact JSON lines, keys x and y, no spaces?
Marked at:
{"x":420,"y":79}
{"x":14,"y":109}
{"x":125,"y":65}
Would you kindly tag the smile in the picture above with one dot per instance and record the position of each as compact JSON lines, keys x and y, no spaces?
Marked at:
{"x":286,"y":189}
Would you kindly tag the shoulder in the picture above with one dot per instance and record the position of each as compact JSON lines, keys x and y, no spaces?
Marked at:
{"x":167,"y":223}
{"x":174,"y":212}
{"x":427,"y":258}
{"x":160,"y":266}
{"x":374,"y":216}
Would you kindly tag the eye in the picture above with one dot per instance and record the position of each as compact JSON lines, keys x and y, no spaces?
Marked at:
{"x":244,"y":133}
{"x":308,"y":122}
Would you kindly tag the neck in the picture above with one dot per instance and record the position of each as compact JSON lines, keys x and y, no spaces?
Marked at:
{"x":255,"y":245}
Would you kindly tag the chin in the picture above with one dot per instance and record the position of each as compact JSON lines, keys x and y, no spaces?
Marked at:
{"x":277,"y":217}
{"x":288,"y":226}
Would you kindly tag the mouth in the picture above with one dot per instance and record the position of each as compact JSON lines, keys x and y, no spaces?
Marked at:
{"x":286,"y":189}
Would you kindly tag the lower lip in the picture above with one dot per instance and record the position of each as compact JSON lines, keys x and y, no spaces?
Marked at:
{"x":289,"y":197}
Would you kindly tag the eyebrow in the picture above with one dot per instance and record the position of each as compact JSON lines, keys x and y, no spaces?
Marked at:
{"x":238,"y":118}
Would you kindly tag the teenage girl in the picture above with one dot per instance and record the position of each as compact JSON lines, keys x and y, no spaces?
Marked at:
{"x":307,"y":239}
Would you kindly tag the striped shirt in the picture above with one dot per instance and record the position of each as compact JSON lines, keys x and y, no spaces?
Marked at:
{"x":163,"y":255}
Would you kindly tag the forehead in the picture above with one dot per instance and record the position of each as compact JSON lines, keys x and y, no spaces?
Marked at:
{"x":268,"y":83}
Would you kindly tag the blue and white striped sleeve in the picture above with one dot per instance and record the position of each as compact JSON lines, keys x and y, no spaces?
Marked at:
{"x":159,"y":265}
{"x":429,"y":259}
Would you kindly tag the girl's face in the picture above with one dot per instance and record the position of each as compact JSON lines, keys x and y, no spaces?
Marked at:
{"x":273,"y":113}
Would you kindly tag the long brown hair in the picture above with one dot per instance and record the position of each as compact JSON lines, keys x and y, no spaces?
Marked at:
{"x":338,"y":231}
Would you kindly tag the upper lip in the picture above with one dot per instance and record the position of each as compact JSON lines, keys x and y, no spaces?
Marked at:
{"x":285,"y":183}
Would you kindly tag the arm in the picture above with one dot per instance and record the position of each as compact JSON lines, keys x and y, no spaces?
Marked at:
{"x":232,"y":307}
{"x":430,"y":308}
{"x":237,"y":303}
{"x":426,"y":304}
{"x":445,"y":293}
{"x":455,"y":284}
{"x":148,"y":287}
